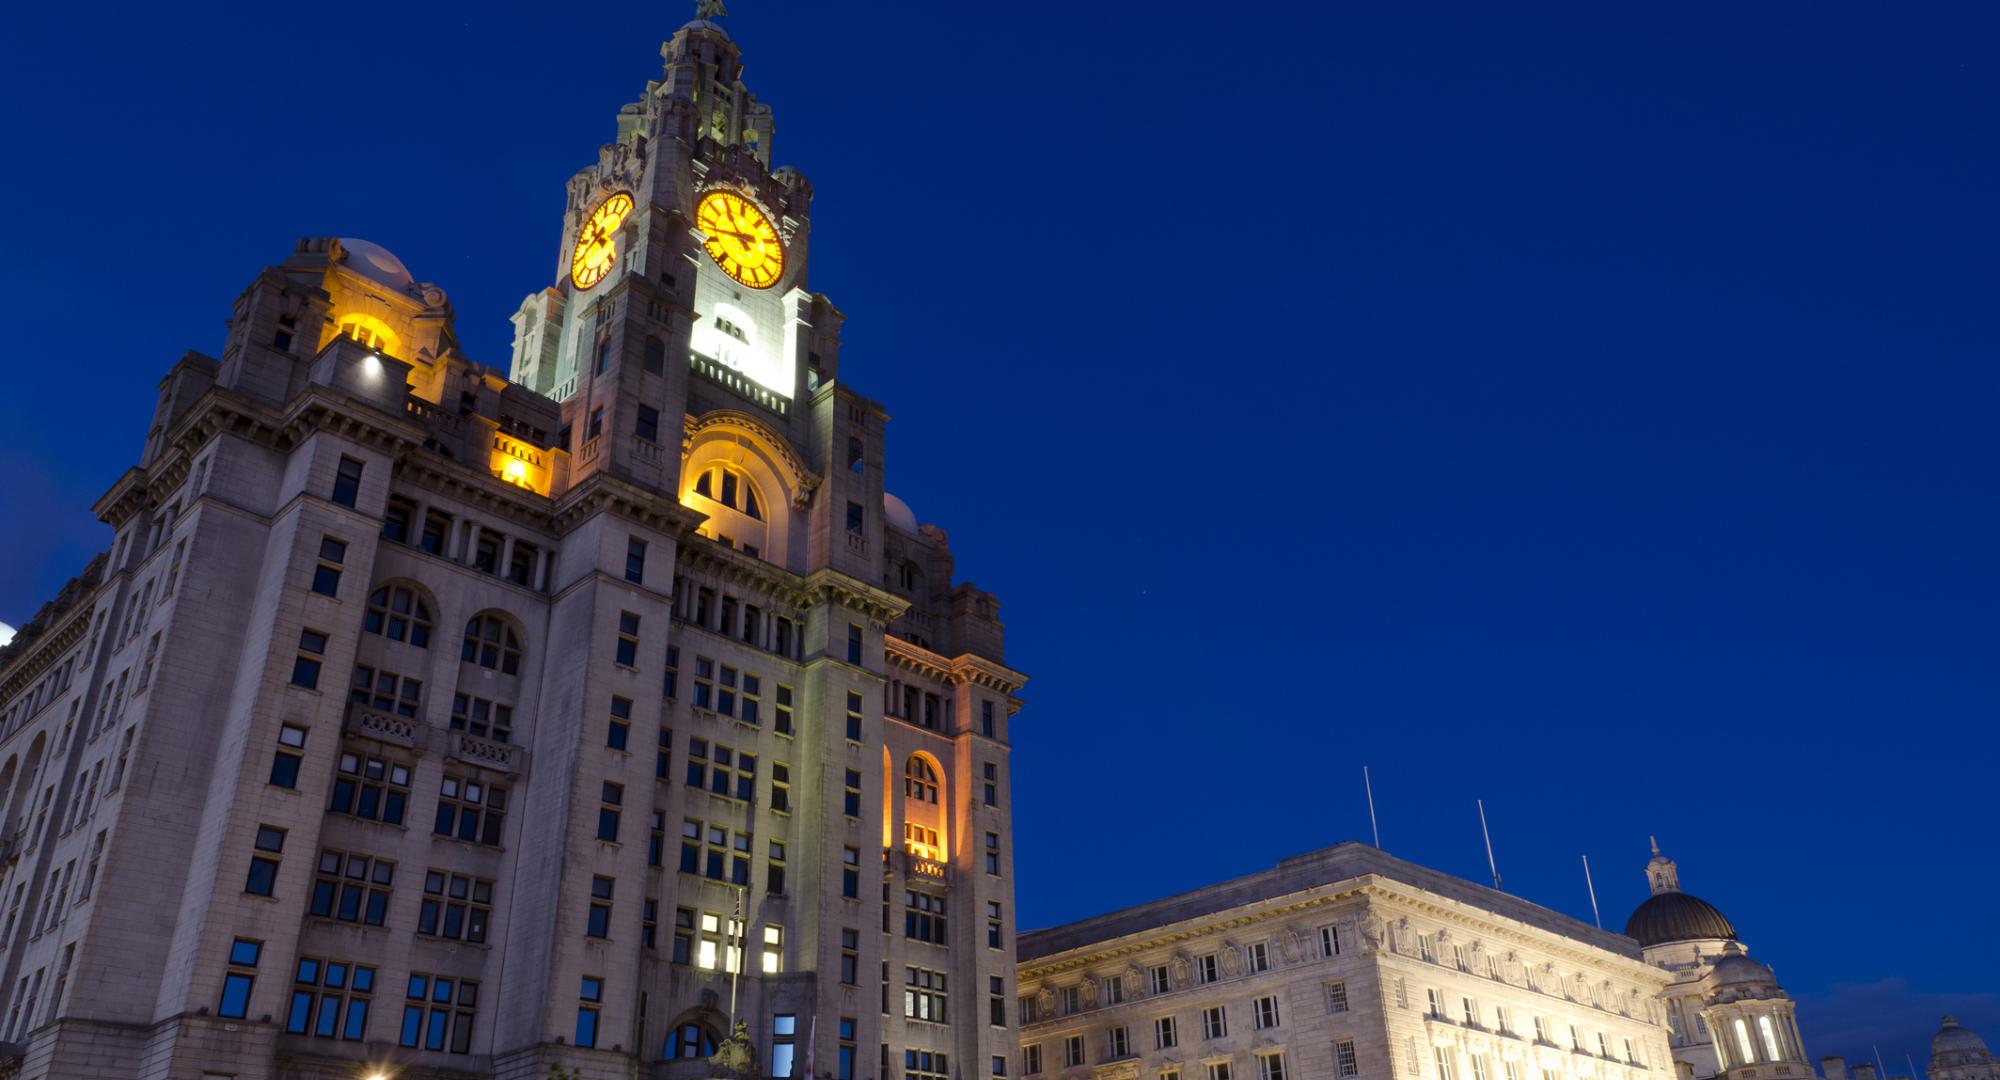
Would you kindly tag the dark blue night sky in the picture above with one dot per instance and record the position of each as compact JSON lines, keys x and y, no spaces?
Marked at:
{"x":1586,"y":410}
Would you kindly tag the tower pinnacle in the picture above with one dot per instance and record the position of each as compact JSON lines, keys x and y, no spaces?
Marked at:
{"x":1661,"y":872}
{"x":710,"y":9}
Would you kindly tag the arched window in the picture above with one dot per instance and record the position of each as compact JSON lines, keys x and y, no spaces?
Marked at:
{"x":1770,"y":1034}
{"x":398,"y":612}
{"x":369,"y":331}
{"x":491,"y":643}
{"x":920,"y":781}
{"x":730,"y":488}
{"x":1743,"y":1041}
{"x":688,"y":1041}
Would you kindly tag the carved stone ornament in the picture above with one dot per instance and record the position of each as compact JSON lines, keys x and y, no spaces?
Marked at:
{"x":734,"y":1057}
{"x":1373,"y":934}
{"x":1293,"y":944}
{"x":1232,"y":960}
{"x":1183,"y":970}
{"x":1136,"y":983}
{"x":1045,"y":1002}
{"x":1089,"y":992}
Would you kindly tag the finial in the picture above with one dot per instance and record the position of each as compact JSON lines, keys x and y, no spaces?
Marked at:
{"x":1656,"y":844}
{"x":709,"y":9}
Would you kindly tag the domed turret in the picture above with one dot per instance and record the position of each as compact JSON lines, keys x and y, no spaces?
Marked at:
{"x":1960,"y":1054}
{"x":1671,"y":915}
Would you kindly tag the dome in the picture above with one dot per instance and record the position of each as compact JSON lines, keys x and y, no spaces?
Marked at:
{"x":374,"y":262}
{"x":1677,"y":916}
{"x":1952,"y":1039}
{"x":899,"y":513}
{"x":1736,"y":969}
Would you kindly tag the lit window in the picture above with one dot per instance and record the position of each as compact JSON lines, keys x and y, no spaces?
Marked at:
{"x":720,"y":483}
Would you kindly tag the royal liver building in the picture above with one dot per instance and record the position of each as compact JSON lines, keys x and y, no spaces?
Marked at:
{"x":425,"y":722}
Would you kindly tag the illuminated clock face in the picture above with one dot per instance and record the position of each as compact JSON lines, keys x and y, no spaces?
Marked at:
{"x":741,"y":239}
{"x":597,"y":241}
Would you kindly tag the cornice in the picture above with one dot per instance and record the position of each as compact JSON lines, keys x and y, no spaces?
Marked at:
{"x":602,"y":492}
{"x":45,"y":650}
{"x":881,"y":606}
{"x":734,"y":567}
{"x":1395,"y":899}
{"x":963,"y":669}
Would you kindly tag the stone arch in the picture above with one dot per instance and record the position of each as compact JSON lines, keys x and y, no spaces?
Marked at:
{"x":926,"y":827}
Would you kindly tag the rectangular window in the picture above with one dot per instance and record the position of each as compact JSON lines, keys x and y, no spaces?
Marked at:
{"x":330,"y":999}
{"x":326,"y":575}
{"x":1205,"y":969}
{"x":991,"y":773}
{"x":782,"y":711}
{"x":855,"y":518}
{"x":924,"y":995}
{"x":1264,"y":1012}
{"x":1434,"y":1004}
{"x":352,"y":887}
{"x":1478,"y":1066}
{"x":470,"y":810}
{"x":1118,"y":1042}
{"x":437,"y":530}
{"x":1072,"y":1051}
{"x":290,"y":755}
{"x":853,"y":643}
{"x":312,"y":653}
{"x":1166,"y":1033}
{"x":993,"y":853}
{"x":1159,"y":980}
{"x":1218,"y":1070}
{"x":371,"y":788}
{"x":923,"y":917}
{"x":845,"y":1068}
{"x":683,"y":935}
{"x":598,"y":924}
{"x":774,"y":869}
{"x":993,"y":927}
{"x":635,"y":559}
{"x":347,"y":482}
{"x":1329,"y":941}
{"x":1344,"y":1061}
{"x":850,"y":957}
{"x":385,"y":691}
{"x":986,"y":719}
{"x":438,"y":1013}
{"x":1443,"y":1058}
{"x":853,"y":717}
{"x":270,"y":844}
{"x":670,"y":685}
{"x":1271,"y":1066}
{"x":1336,"y":997}
{"x":1031,"y":1060}
{"x":627,"y":653}
{"x":996,"y":1001}
{"x":1500,"y":1018}
{"x":1468,"y":1012}
{"x":1114,"y":990}
{"x":1259,"y":955}
{"x":781,"y":787}
{"x":850,"y":873}
{"x":656,"y":839}
{"x":596,"y":426}
{"x":1214,"y":1022}
{"x":608,"y":810}
{"x":455,"y":906}
{"x":663,"y":755}
{"x":240,"y":977}
{"x":851,"y":801}
{"x":589,"y":997}
{"x":619,"y":731}
{"x":647,"y":426}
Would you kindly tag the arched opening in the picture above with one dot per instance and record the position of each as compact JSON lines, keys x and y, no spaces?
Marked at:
{"x":369,"y":331}
{"x":924,"y":829}
{"x":492,"y":643}
{"x":691,"y":1038}
{"x":399,"y":611}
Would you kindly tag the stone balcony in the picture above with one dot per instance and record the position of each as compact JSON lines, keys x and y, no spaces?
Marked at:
{"x":386,"y":728}
{"x":918,"y":868}
{"x":390,"y":729}
{"x":485,"y":753}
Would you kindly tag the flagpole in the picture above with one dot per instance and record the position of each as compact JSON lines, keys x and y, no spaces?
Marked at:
{"x":1372,"y":825}
{"x":736,"y":956}
{"x":1592,"y":886}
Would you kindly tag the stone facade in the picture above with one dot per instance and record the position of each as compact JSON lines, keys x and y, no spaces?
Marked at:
{"x":433,"y":723}
{"x":1343,"y":963}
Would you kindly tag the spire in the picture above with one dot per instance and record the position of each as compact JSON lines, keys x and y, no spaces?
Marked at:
{"x":1661,"y":872}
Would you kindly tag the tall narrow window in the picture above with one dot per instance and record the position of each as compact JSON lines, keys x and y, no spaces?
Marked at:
{"x":347,"y":482}
{"x":240,"y":978}
{"x":635,"y":559}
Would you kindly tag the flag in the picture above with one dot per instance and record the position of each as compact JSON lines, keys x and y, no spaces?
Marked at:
{"x":812,"y":1035}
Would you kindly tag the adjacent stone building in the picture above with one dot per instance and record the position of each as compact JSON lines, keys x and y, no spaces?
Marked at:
{"x":430,"y":722}
{"x":1345,"y":962}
